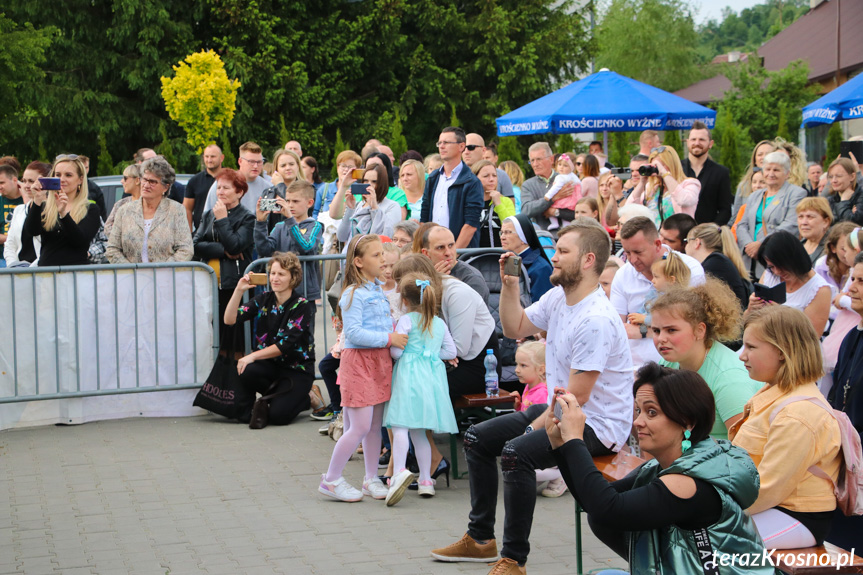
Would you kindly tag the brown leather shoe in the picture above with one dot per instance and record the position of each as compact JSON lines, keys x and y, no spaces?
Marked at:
{"x":467,"y":549}
{"x":506,"y":566}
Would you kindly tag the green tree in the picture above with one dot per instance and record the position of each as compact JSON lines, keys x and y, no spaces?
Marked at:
{"x":749,"y":29}
{"x":652,"y":41}
{"x":619,"y":155}
{"x":284,"y":136}
{"x":165,"y":148}
{"x":397,"y":141}
{"x":105,"y":165}
{"x":230,"y":160}
{"x":339,"y":147}
{"x":782,"y":130}
{"x":508,"y":149}
{"x":834,"y":142}
{"x":730,"y":155}
{"x":565,"y":143}
{"x":672,"y":138}
{"x":760,"y":96}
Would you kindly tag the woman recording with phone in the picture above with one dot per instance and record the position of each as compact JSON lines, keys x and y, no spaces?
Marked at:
{"x":374,"y":214}
{"x":63,"y":217}
{"x":664,"y":188}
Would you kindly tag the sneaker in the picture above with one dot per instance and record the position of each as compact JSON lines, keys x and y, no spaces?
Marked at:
{"x":467,"y":549}
{"x":555,"y":488}
{"x":507,"y":566}
{"x":325,"y":413}
{"x":426,"y":487}
{"x":375,"y":488}
{"x":339,"y":489}
{"x":398,"y":485}
{"x":325,"y":428}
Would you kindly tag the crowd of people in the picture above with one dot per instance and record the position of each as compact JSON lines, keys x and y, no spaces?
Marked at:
{"x":652,"y":307}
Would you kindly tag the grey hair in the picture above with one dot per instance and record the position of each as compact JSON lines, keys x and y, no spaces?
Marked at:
{"x":409,"y":227}
{"x":630,"y":211}
{"x":539,"y":146}
{"x":159,"y":167}
{"x":810,"y":164}
{"x":134,"y":171}
{"x":781,"y":159}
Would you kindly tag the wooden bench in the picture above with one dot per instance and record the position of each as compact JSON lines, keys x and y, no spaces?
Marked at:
{"x":613,"y":468}
{"x":808,"y":561}
{"x":474,"y":405}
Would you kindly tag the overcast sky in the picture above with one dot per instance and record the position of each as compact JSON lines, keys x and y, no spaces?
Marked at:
{"x":707,"y":9}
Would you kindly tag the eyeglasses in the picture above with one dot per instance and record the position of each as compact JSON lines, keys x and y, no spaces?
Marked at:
{"x":347,"y":167}
{"x":66,"y":157}
{"x":441,"y":144}
{"x":253,"y":162}
{"x":472,"y":147}
{"x":150,"y":182}
{"x":657,"y":150}
{"x":535,"y":161}
{"x":507,"y":233}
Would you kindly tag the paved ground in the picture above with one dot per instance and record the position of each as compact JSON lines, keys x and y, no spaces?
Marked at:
{"x":199,"y":495}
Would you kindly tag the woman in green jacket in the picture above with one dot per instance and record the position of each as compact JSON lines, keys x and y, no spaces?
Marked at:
{"x":682,"y":512}
{"x":496,"y":208}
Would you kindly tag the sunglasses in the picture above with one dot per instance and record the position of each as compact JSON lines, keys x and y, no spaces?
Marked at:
{"x":756,"y":170}
{"x":657,"y":150}
{"x":66,"y":157}
{"x":472,"y":147}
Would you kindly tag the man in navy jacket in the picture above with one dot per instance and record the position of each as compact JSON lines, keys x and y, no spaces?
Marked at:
{"x":453,"y":196}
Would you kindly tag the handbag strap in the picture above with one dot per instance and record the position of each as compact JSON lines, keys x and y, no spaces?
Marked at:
{"x":269,"y":396}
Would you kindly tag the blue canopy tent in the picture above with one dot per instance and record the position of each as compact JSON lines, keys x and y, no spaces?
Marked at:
{"x":843,"y":103}
{"x":604,"y":102}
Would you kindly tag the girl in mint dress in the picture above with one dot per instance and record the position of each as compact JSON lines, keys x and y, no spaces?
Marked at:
{"x":420,"y":397}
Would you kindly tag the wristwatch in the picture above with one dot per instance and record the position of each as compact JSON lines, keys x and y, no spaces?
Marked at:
{"x":528,"y":429}
{"x":643,"y":329}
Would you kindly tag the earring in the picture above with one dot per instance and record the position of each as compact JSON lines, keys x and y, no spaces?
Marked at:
{"x":686,"y":444}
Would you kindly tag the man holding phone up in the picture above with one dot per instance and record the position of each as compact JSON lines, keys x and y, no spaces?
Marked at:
{"x":588,"y":355}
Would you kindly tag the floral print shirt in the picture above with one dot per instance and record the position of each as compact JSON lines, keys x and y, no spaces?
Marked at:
{"x":287,"y":326}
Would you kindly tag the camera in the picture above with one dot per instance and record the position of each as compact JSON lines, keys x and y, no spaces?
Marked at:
{"x":648,"y":170}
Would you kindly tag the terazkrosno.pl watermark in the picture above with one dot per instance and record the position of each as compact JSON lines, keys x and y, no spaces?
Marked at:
{"x":773,"y":558}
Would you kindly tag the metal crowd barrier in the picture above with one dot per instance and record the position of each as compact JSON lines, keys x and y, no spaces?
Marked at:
{"x":75,"y":341}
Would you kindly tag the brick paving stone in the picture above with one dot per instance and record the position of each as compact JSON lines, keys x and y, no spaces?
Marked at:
{"x":198,"y":495}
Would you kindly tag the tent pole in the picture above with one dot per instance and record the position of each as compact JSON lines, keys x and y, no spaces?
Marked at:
{"x":605,"y":143}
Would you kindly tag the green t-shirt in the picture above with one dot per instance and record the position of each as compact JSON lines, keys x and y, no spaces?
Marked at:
{"x":398,"y":196}
{"x":7,"y":206}
{"x":728,"y":380}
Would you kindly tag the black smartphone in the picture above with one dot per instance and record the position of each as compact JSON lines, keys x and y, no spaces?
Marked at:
{"x":359,"y":189}
{"x":774,"y":294}
{"x":854,"y":147}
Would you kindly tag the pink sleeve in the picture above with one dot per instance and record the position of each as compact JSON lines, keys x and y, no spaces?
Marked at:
{"x":536,"y":395}
{"x":589,"y":187}
{"x":685,"y":196}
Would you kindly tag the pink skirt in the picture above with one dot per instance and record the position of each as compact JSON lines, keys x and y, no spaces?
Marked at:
{"x":365,"y":376}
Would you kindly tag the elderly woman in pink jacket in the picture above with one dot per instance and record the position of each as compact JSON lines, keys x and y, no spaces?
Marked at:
{"x":666,"y":190}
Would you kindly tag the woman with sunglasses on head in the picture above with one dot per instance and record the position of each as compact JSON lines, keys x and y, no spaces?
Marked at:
{"x":667,"y":190}
{"x":64,"y":219}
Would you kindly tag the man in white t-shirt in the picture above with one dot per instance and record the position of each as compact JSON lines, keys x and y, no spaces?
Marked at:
{"x":642,"y":246}
{"x":586,"y":354}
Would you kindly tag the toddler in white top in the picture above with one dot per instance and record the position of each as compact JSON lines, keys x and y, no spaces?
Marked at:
{"x":565,"y":176}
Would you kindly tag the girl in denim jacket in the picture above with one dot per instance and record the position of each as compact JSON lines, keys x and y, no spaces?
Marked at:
{"x":365,"y":374}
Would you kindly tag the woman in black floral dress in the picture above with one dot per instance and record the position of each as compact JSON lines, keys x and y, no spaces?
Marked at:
{"x":283,"y":360}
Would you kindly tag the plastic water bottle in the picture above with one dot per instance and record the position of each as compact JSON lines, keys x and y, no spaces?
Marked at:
{"x":491,"y":379}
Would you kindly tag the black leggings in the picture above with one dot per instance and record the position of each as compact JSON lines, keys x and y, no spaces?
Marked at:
{"x":329,"y":366}
{"x":259,"y":377}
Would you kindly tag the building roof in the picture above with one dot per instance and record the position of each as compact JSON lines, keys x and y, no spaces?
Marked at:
{"x":706,"y":91}
{"x":812,"y":38}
